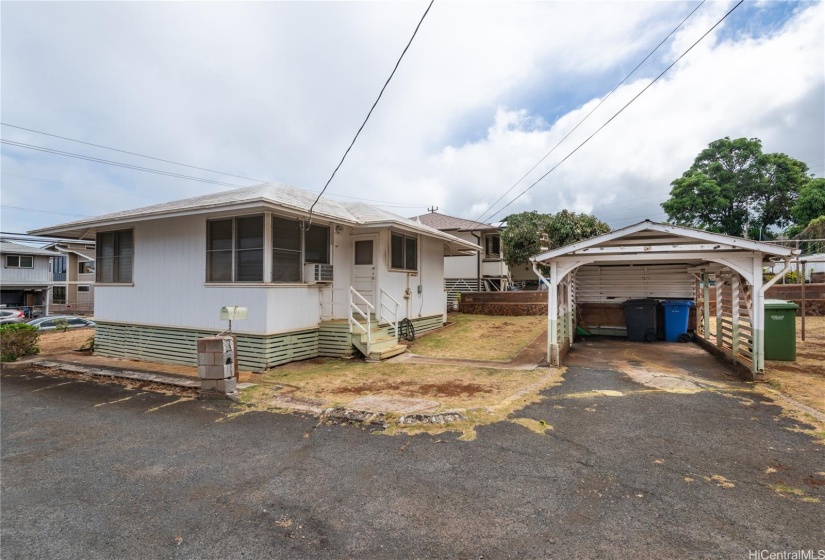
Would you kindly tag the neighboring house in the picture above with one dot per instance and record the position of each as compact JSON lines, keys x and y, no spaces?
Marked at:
{"x":163,"y":273}
{"x":25,"y":277}
{"x":485,"y":271}
{"x":73,"y":277}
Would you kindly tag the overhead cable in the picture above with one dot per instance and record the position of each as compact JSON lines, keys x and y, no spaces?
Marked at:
{"x":370,"y":111}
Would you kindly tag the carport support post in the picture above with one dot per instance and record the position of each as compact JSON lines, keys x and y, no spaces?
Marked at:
{"x":570,"y":311}
{"x":553,"y":315}
{"x":706,"y":306}
{"x":719,"y":285}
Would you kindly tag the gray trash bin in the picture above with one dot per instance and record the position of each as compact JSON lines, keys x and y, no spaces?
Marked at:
{"x":640,"y":319}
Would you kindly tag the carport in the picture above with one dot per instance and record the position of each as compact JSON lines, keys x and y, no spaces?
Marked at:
{"x":722,"y":274}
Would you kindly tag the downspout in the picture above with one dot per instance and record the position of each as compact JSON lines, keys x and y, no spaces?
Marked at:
{"x":760,"y":333}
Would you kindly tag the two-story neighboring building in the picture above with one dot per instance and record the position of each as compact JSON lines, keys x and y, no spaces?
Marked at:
{"x":483,"y":272}
{"x":73,"y":277}
{"x":25,"y":277}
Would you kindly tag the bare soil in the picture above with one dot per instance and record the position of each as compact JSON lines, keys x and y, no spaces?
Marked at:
{"x":58,"y":342}
{"x":804,"y":379}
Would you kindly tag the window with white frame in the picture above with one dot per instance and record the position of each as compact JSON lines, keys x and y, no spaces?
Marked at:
{"x":83,"y":288}
{"x":492,"y":246}
{"x":115,"y":257}
{"x":235,"y":249}
{"x":19,"y":261}
{"x":86,"y":267}
{"x":403,"y":252}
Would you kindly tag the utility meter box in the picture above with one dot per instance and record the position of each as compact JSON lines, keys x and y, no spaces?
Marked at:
{"x":234,"y":313}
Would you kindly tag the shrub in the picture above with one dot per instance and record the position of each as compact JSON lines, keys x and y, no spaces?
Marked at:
{"x":17,"y":340}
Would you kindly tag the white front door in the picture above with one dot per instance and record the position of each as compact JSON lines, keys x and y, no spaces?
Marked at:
{"x":363,"y":270}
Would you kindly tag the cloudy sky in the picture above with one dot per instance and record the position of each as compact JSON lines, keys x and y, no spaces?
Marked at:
{"x":276,"y":91}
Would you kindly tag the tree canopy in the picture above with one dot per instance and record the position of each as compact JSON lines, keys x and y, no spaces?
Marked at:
{"x":809,"y":206}
{"x":734,"y":188}
{"x":529,"y":233}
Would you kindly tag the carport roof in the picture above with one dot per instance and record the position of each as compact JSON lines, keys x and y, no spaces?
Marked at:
{"x":648,"y":238}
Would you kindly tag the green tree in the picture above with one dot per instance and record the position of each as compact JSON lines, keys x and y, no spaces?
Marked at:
{"x":522,"y":238}
{"x":530,"y":233}
{"x":734,"y":188}
{"x":809,"y":206}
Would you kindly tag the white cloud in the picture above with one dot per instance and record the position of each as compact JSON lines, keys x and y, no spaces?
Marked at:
{"x":276,"y":91}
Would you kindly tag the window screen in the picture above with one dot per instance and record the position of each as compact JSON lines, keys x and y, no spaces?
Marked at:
{"x":115,"y":256}
{"x":286,"y":250}
{"x":403,"y":252}
{"x":316,"y":245}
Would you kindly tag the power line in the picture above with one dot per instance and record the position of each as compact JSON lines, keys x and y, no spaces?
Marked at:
{"x":669,"y":35}
{"x":42,"y":211}
{"x":80,"y":186}
{"x":386,"y":204}
{"x":117,"y":164}
{"x":371,"y":110}
{"x":131,"y":153}
{"x":586,"y":140}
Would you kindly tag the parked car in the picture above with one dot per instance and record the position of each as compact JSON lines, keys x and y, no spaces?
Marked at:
{"x":56,"y":322}
{"x":11,"y":316}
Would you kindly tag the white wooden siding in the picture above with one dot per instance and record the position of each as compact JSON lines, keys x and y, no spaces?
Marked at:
{"x":39,"y":273}
{"x":618,"y":283}
{"x":170,"y":289}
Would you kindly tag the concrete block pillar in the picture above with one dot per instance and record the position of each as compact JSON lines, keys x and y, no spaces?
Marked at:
{"x":216,"y":366}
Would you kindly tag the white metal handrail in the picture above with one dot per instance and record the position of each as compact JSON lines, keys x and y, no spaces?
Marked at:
{"x":353,"y":322}
{"x":383,"y":306}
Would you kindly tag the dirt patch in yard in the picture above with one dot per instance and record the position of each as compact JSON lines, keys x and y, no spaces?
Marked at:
{"x":57,"y":342}
{"x":804,"y":379}
{"x":480,"y":337}
{"x":337,"y":382}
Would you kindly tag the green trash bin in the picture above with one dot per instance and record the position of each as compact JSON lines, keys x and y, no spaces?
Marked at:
{"x":780,"y":330}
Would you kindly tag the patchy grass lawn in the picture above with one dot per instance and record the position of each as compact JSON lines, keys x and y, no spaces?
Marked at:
{"x":483,"y":395}
{"x":338,"y":382}
{"x":58,"y":342}
{"x":804,"y":379}
{"x":481,"y":337}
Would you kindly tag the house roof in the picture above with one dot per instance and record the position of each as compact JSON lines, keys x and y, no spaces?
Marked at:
{"x":648,"y":238}
{"x":7,"y":247}
{"x":273,"y":195}
{"x":444,"y":222}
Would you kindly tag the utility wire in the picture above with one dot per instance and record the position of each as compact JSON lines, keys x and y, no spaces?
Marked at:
{"x":620,"y":110}
{"x":553,"y":149}
{"x":370,"y":111}
{"x":42,"y":211}
{"x":131,"y":153}
{"x":117,"y":163}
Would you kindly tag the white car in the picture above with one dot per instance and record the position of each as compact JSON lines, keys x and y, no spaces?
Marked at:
{"x":11,"y":316}
{"x":56,"y":322}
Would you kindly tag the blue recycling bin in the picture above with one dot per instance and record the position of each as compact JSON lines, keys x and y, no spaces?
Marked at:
{"x":676,"y":318}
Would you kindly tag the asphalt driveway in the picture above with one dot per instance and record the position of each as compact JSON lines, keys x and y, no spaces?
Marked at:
{"x":101,"y":471}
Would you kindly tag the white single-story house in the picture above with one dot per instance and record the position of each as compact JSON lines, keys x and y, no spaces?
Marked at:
{"x":164,"y":272}
{"x":663,"y":261}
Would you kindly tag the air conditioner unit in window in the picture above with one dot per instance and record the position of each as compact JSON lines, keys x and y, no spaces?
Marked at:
{"x":318,"y":273}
